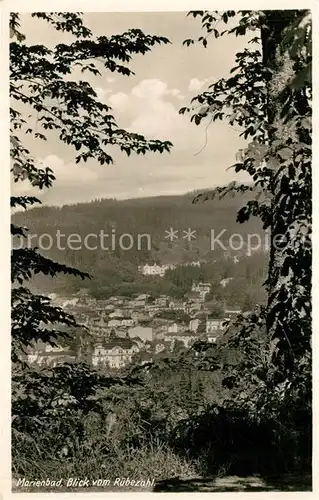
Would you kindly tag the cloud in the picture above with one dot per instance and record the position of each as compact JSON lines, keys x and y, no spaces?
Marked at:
{"x":149,"y":110}
{"x":195,"y":84}
{"x":68,"y":173}
{"x":119,"y":101}
{"x":150,"y":89}
{"x":176,"y":93}
{"x":145,"y":93}
{"x":154,"y":88}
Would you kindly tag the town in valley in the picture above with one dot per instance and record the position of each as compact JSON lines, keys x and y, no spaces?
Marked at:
{"x":118,"y":331}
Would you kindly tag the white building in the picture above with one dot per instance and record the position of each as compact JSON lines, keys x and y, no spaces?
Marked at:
{"x":143,"y":332}
{"x":202,"y":289}
{"x":214,"y":325}
{"x":114,"y":322}
{"x":173,"y":328}
{"x":47,"y":355}
{"x":155,"y":269}
{"x":127,"y":322}
{"x":159,"y":348}
{"x":115,"y":353}
{"x":177,"y":305}
{"x":194,"y":324}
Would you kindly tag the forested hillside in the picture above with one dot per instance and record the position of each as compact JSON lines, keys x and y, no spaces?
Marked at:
{"x":116,"y":269}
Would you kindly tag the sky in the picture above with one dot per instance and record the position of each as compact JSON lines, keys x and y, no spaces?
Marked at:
{"x":148,"y":103}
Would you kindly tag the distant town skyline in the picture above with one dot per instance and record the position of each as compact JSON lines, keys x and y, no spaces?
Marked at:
{"x":146,"y":103}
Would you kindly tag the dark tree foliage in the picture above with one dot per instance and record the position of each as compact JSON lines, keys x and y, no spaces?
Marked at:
{"x":71,"y":111}
{"x":268,"y":96}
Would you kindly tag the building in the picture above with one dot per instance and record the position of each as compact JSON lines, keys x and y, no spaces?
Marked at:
{"x":114,"y":322}
{"x":144,"y":332}
{"x":187,"y":338}
{"x":161,"y":301}
{"x":174,"y":328}
{"x":117,"y":313}
{"x":194,"y":324}
{"x":155,"y":269}
{"x":160,"y":347}
{"x":214,"y":325}
{"x":160,"y":270}
{"x":137,"y":304}
{"x":116,"y":352}
{"x":177,"y":305}
{"x":202,"y":289}
{"x":47,"y":355}
{"x":152,"y":309}
{"x":127,"y":322}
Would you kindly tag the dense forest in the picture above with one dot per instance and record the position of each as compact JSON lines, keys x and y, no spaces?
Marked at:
{"x":115,"y":271}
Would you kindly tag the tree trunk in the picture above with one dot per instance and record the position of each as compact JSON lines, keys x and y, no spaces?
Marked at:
{"x":289,"y":278}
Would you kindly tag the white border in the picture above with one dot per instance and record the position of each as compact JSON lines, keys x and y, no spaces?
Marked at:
{"x":7,"y":6}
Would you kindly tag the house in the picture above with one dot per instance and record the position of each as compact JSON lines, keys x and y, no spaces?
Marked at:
{"x":137,"y":303}
{"x":174,"y":328}
{"x":159,"y":331}
{"x":194,"y":324}
{"x":160,"y":347}
{"x":120,"y":332}
{"x":187,"y":338}
{"x":114,"y":322}
{"x":214,"y":325}
{"x":195,"y":263}
{"x":127,"y":322}
{"x":161,"y":301}
{"x":145,"y":333}
{"x":155,"y":269}
{"x":47,"y":355}
{"x":116,"y":314}
{"x":152,"y":309}
{"x":201,"y":288}
{"x":177,"y":305}
{"x":115,"y":352}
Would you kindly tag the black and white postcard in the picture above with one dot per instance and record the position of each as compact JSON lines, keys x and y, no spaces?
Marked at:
{"x":161,"y":249}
